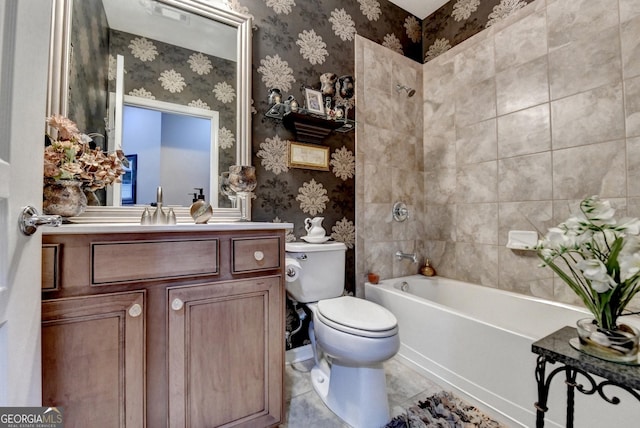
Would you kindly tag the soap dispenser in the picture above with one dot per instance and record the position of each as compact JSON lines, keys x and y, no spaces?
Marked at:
{"x":427,"y":269}
{"x":200,"y":210}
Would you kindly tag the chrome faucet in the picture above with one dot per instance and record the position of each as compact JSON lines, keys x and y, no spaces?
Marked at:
{"x":413,"y":256}
{"x":159,"y":216}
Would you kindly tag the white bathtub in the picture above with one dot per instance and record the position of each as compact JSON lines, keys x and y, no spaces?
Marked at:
{"x":478,"y":341}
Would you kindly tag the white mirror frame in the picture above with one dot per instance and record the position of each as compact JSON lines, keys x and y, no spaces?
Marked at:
{"x":57,"y":99}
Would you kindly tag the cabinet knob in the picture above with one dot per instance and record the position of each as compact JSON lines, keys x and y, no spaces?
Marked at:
{"x":258,"y":255}
{"x":177,"y":304}
{"x":135,"y":310}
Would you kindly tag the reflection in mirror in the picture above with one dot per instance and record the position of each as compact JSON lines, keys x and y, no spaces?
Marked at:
{"x":180,"y":52}
{"x":174,"y":147}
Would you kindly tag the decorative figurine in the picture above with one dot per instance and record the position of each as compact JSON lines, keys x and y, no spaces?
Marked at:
{"x":328,"y":84}
{"x":346,"y":87}
{"x":275,"y":96}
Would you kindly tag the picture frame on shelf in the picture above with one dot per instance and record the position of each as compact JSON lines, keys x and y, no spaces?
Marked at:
{"x":308,"y":156}
{"x":314,"y":101}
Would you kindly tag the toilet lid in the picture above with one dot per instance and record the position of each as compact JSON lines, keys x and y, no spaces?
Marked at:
{"x":357,"y":316}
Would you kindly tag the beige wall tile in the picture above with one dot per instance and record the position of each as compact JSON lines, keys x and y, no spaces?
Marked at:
{"x":374,"y":101}
{"x":522,"y":42}
{"x":630,"y":41}
{"x":524,"y":132}
{"x":439,"y":85}
{"x":376,"y":70}
{"x":377,"y":222}
{"x":440,"y":222}
{"x":633,"y":168}
{"x":406,"y":185}
{"x":442,"y":255}
{"x":439,"y":148}
{"x":597,"y":169}
{"x":535,"y":216}
{"x":477,"y":263}
{"x":525,"y":178}
{"x":475,"y":64}
{"x":629,"y":9}
{"x":440,"y":186}
{"x":374,"y":144}
{"x":475,"y":103}
{"x":477,"y":223}
{"x":632,"y":106}
{"x":477,"y":183}
{"x":477,"y":143}
{"x":585,"y":64}
{"x":377,"y":185}
{"x":523,"y":86}
{"x":589,"y":117}
{"x":520,"y":272}
{"x":569,"y":21}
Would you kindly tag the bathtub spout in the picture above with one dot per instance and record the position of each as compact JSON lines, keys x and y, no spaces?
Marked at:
{"x":413,"y":256}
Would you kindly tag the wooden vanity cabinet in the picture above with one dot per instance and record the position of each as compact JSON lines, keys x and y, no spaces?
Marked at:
{"x":175,"y":329}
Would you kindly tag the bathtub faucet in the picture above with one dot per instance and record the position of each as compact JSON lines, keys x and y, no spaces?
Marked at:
{"x":413,"y":256}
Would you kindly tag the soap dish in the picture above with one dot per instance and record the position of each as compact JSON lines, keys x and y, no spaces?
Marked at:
{"x":522,"y":240}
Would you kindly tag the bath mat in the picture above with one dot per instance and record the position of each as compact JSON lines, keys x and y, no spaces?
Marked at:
{"x":443,"y":410}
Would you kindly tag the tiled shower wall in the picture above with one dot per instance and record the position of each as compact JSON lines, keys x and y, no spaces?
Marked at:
{"x":522,"y":121}
{"x":389,"y":161}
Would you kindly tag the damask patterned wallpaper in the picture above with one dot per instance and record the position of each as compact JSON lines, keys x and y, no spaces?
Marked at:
{"x":294,"y":42}
{"x":87,"y":104}
{"x":458,"y":20}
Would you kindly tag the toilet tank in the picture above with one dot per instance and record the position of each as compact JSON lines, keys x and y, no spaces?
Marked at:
{"x":321,"y":274}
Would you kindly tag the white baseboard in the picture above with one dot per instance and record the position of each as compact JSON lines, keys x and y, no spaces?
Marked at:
{"x":301,"y":353}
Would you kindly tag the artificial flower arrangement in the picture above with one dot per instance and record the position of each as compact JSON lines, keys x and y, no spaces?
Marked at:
{"x":70,"y":157}
{"x":598,"y":257}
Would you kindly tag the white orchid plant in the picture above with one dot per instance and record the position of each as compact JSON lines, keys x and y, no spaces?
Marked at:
{"x":598,"y":257}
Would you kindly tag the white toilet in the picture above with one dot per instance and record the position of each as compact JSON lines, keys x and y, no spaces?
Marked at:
{"x":351,"y":337}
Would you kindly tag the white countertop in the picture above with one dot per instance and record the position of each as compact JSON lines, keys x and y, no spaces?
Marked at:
{"x":94,"y":228}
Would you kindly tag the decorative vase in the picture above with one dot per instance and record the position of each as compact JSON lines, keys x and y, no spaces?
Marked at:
{"x":64,"y":198}
{"x":619,"y":345}
{"x":92,"y":198}
{"x":242,"y":180}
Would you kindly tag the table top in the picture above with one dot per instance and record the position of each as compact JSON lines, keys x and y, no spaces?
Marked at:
{"x":556,"y":348}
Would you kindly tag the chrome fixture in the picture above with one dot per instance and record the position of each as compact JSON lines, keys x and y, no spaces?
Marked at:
{"x":410,"y":91}
{"x":410,"y":256}
{"x":400,"y":211}
{"x":30,"y":219}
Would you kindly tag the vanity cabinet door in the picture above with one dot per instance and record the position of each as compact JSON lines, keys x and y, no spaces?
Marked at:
{"x":93,"y":353}
{"x":226,"y":353}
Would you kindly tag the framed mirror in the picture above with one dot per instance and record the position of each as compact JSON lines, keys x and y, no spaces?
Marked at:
{"x":188,"y":56}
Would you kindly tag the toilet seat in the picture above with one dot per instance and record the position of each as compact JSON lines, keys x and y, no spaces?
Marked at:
{"x":357,"y":316}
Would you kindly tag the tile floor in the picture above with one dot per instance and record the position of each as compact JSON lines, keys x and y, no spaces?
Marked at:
{"x":305,"y":409}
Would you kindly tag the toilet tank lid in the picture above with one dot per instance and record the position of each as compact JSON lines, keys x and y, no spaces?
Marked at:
{"x":300,"y":247}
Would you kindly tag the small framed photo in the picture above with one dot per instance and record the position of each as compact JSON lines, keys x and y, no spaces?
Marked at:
{"x":314,"y":101}
{"x":308,"y":156}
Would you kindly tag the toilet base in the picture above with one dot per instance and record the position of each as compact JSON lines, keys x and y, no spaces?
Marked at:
{"x":357,"y":395}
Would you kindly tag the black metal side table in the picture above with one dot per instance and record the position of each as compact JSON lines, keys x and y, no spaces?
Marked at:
{"x":555,"y":348}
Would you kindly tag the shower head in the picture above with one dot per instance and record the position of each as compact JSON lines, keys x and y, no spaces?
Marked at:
{"x":410,"y":91}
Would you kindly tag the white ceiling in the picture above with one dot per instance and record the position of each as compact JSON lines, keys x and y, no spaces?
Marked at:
{"x":420,"y":8}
